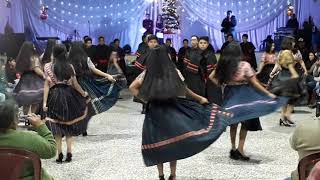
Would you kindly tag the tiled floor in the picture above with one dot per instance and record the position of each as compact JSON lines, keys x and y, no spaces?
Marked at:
{"x":112,"y":151}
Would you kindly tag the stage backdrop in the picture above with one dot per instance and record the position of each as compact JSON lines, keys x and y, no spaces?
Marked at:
{"x":123,"y":18}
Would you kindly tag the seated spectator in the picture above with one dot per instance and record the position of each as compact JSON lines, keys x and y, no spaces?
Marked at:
{"x":312,"y":58}
{"x":315,"y":173}
{"x":314,"y":76}
{"x":10,"y":70}
{"x":313,"y":67}
{"x":305,"y":140}
{"x":42,"y":144}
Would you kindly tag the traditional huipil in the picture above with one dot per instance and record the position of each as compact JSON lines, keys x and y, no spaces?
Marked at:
{"x":29,"y":89}
{"x":67,"y":109}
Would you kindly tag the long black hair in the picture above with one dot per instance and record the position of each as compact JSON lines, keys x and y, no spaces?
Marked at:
{"x":268,"y":48}
{"x":79,"y":59}
{"x":228,"y":64}
{"x":287,"y":43}
{"x":26,"y":53}
{"x":62,"y":68}
{"x":161,"y":81}
{"x":48,"y":52}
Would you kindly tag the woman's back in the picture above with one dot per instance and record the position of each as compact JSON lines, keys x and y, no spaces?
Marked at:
{"x":286,"y":58}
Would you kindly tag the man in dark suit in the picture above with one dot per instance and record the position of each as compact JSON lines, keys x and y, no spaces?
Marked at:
{"x":182,"y":54}
{"x":248,"y":50}
{"x":148,"y":25}
{"x":228,"y":25}
{"x":172,"y":51}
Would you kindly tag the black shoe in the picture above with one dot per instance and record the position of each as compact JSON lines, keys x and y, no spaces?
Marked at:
{"x":161,"y":177}
{"x":289,"y":121}
{"x":284,"y":123}
{"x":234,"y":154}
{"x":242,"y":157}
{"x":60,"y":157}
{"x":85,"y":134}
{"x":170,"y":177}
{"x":143,"y":110}
{"x":69,"y":157}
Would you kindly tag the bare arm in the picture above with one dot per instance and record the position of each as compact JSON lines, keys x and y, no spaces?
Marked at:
{"x":45,"y":94}
{"x":256,"y":84}
{"x":135,"y":87}
{"x":39,"y":71}
{"x":212,"y":78}
{"x":115,"y":62}
{"x":200,"y":99}
{"x":275,"y":69}
{"x":102,"y":74}
{"x":293,"y":71}
{"x":261,"y":65}
{"x":303,"y":67}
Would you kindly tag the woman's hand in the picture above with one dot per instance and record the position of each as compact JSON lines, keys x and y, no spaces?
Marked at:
{"x":44,"y":107}
{"x":35,"y":120}
{"x":110,"y":78}
{"x":294,"y":76}
{"x":272,"y":95}
{"x":203,"y":100}
{"x":85,"y":94}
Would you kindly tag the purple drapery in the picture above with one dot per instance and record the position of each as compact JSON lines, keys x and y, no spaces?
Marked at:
{"x":24,"y":14}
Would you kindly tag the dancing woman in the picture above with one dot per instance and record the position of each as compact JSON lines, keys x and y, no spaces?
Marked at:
{"x":29,"y":91}
{"x":115,"y":70}
{"x":174,"y":127}
{"x":100,"y":86}
{"x":268,"y":61}
{"x":243,"y":95}
{"x":286,"y":79}
{"x":64,"y":101}
{"x":46,"y":57}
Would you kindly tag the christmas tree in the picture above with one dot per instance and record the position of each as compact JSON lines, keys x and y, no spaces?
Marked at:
{"x":170,"y":16}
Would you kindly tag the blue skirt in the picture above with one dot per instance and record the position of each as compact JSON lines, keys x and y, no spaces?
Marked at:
{"x":102,"y":92}
{"x":247,"y":103}
{"x":180,"y":128}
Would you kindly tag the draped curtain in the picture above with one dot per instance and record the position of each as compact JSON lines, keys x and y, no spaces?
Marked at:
{"x":123,"y":18}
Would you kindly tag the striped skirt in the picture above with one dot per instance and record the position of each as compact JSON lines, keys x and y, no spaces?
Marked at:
{"x":102,"y":92}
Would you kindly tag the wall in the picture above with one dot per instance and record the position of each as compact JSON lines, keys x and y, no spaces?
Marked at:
{"x":315,"y":11}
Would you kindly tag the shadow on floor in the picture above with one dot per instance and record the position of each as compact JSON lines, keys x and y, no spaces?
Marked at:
{"x":105,"y":137}
{"x":255,"y":159}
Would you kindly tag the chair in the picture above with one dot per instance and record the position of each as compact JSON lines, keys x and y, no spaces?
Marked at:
{"x":306,"y":164}
{"x":12,"y":161}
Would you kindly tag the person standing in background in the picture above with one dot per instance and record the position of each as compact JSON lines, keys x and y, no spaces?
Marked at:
{"x":248,"y":50}
{"x":228,"y":25}
{"x":230,"y":39}
{"x":90,"y":49}
{"x":182,"y":54}
{"x":102,"y":54}
{"x":148,"y":25}
{"x":172,"y":51}
{"x":121,"y":54}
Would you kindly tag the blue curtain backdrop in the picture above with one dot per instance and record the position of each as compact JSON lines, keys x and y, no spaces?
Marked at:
{"x":123,"y":18}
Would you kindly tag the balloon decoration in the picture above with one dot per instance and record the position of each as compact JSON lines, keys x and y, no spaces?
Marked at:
{"x":7,"y":3}
{"x":290,"y":10}
{"x":44,"y":12}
